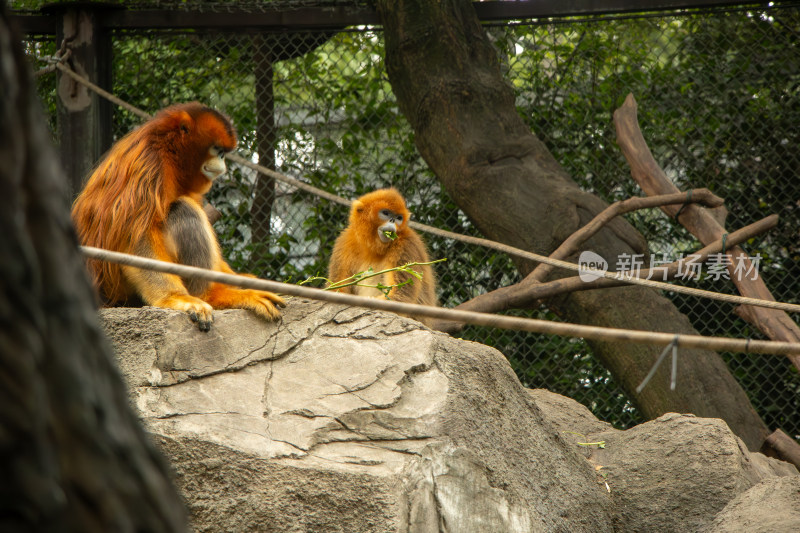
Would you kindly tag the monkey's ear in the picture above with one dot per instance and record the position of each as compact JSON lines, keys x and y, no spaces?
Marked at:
{"x":185,"y":121}
{"x":358,"y":207}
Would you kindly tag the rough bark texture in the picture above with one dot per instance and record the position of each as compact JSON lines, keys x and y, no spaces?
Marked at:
{"x":447,"y":80}
{"x":74,"y":457}
{"x":340,"y":419}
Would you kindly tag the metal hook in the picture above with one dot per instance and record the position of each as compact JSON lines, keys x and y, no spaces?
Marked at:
{"x":674,"y":378}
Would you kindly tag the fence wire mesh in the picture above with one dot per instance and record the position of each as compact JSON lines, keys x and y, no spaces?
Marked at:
{"x":719,"y":105}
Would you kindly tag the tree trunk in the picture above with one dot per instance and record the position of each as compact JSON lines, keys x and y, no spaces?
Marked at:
{"x":448,"y":83}
{"x":74,"y":457}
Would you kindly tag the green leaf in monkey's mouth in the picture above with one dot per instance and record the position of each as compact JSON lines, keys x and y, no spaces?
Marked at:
{"x":390,"y":235}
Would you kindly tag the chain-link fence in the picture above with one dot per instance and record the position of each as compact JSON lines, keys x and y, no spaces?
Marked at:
{"x":719,"y":105}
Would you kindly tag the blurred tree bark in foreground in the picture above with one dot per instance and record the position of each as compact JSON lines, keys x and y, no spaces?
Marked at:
{"x":73,"y":456}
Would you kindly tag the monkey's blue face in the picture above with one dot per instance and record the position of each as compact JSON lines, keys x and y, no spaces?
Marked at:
{"x":387,"y":230}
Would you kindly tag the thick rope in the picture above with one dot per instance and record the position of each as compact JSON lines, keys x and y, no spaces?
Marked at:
{"x":721,"y":344}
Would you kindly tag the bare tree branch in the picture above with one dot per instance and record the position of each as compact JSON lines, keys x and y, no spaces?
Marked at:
{"x":525,"y":294}
{"x":775,"y":324}
{"x":574,"y":242}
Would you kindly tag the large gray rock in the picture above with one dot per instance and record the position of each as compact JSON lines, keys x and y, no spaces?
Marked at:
{"x":772,"y":506}
{"x":341,"y":419}
{"x":675,"y":473}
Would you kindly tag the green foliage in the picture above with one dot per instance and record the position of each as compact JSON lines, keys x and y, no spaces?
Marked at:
{"x":38,"y":51}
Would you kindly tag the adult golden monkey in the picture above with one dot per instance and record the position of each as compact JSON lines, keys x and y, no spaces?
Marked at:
{"x":378,"y":237}
{"x":145,"y":198}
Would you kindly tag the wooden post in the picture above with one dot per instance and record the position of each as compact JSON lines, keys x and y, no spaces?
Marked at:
{"x":264,"y":190}
{"x":84,"y":118}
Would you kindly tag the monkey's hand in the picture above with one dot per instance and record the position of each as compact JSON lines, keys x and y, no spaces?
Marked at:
{"x":199,"y":311}
{"x":264,"y":304}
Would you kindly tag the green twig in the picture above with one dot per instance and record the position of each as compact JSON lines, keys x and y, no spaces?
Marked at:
{"x":600,"y":444}
{"x":358,"y":278}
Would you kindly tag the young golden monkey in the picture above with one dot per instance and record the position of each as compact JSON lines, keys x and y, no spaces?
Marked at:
{"x":364,"y":244}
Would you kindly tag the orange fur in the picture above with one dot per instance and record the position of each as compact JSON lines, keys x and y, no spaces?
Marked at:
{"x":153,"y":173}
{"x":359,"y":248}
